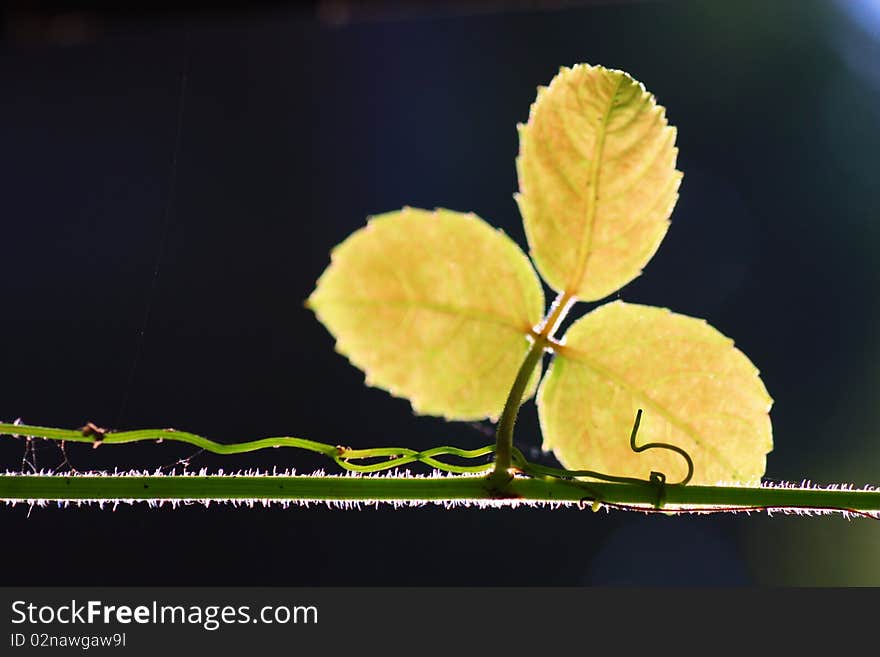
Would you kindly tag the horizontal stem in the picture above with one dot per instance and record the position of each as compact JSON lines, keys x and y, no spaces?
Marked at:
{"x":449,"y":488}
{"x":545,"y":484}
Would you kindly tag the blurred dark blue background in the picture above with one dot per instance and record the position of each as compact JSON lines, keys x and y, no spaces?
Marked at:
{"x":296,"y":125}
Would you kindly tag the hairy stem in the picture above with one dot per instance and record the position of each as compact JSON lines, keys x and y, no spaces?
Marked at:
{"x":543,"y":484}
{"x":642,"y":496}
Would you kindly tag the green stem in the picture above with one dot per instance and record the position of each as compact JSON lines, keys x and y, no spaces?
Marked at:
{"x":504,"y":432}
{"x":384,"y":458}
{"x":33,"y":488}
{"x":543,"y":485}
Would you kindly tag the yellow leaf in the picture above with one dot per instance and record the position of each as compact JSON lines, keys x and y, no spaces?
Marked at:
{"x":434,"y":307}
{"x":697,"y":390}
{"x":597,"y":180}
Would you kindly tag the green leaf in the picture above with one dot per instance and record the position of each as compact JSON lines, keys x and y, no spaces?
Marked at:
{"x":597,"y":180}
{"x":697,"y":390}
{"x":434,"y":307}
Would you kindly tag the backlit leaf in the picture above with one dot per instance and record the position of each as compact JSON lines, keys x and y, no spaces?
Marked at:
{"x":597,"y":180}
{"x":434,"y":307}
{"x":697,"y":390}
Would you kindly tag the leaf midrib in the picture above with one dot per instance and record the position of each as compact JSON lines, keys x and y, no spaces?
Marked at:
{"x":593,"y":198}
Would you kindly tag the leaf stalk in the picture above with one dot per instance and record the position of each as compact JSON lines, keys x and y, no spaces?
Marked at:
{"x":541,"y":340}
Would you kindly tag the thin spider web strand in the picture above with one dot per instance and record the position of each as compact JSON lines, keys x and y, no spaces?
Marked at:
{"x":167,"y":220}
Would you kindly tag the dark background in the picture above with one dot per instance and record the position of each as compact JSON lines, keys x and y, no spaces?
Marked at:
{"x":204,"y":218}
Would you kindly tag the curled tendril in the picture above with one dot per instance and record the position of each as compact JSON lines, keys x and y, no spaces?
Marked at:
{"x":657,"y":479}
{"x":399,"y":456}
{"x":396,"y":457}
{"x":374,"y":459}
